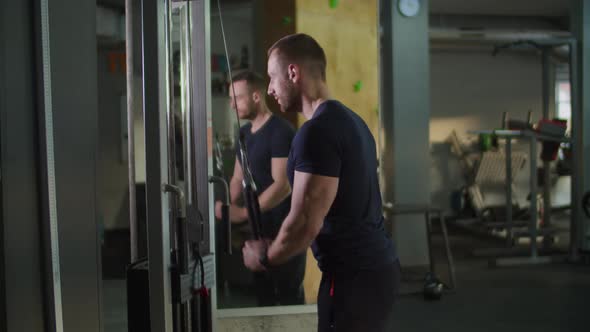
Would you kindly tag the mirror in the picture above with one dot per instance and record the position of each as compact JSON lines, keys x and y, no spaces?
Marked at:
{"x":251,"y":27}
{"x":237,"y":286}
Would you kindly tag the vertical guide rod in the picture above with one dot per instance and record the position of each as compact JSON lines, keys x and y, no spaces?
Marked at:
{"x":509,"y":216}
{"x":50,"y":200}
{"x":181,"y":310}
{"x":187,"y":78}
{"x":547,"y":84}
{"x":533,"y":188}
{"x":577,"y":172}
{"x":156,"y":102}
{"x":129,"y":40}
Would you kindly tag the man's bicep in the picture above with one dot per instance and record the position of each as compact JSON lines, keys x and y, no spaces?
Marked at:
{"x":313,"y":196}
{"x":238,"y":173}
{"x":279,"y":169}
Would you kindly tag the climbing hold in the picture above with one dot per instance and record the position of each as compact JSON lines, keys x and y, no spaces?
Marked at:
{"x":358,"y":86}
{"x":287,"y":20}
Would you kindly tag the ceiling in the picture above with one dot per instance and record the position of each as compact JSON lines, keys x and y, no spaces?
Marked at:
{"x":111,"y":3}
{"x":546,"y":8}
{"x":121,"y":3}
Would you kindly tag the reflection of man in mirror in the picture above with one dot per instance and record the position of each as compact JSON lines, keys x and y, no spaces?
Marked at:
{"x":336,"y":201}
{"x":267,"y":139}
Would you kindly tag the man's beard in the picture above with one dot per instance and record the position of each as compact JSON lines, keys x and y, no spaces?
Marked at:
{"x":250,"y":112}
{"x":249,"y":115}
{"x":293,"y":100}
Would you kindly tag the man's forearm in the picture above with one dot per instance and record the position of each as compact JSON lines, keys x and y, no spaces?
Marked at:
{"x":311,"y":200}
{"x":293,"y":238}
{"x":273,"y":196}
{"x":235,"y":189}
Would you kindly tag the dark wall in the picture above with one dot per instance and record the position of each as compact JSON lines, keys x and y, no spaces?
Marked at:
{"x":21,"y":302}
{"x":74,"y":93}
{"x":112,"y":171}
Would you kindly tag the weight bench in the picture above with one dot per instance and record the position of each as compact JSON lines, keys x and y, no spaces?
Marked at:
{"x":427,"y":210}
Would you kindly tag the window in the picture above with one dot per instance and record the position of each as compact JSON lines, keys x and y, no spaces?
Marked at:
{"x":564,"y":105}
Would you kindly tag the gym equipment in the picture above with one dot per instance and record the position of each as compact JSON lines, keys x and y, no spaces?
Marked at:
{"x":433,"y":288}
{"x":224,"y":213}
{"x":432,"y":284}
{"x":585,"y":254}
{"x":586,"y":204}
{"x":181,"y":264}
{"x":546,"y":46}
{"x":533,"y":227}
{"x":488,"y":168}
{"x":138,"y":297}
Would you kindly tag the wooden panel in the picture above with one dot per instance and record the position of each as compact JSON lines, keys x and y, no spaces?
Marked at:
{"x":277,"y":19}
{"x":313,"y":276}
{"x":348,"y":34}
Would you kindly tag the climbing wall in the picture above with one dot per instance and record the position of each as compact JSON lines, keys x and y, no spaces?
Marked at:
{"x":347,"y":30}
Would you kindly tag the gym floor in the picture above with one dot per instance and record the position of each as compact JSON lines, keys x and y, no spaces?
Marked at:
{"x":543,"y":298}
{"x":551,"y":297}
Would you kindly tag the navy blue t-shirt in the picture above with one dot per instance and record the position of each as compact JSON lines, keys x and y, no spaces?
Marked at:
{"x":272,"y":140}
{"x":336,"y":142}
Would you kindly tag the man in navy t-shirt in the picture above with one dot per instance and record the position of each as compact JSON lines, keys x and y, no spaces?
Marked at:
{"x":267,"y":139}
{"x":336,"y":200}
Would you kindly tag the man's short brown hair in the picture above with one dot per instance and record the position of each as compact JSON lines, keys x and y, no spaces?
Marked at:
{"x":303,"y":49}
{"x":254,"y":80}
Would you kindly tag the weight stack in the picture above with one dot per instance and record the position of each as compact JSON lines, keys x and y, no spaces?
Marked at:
{"x":138,"y":297}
